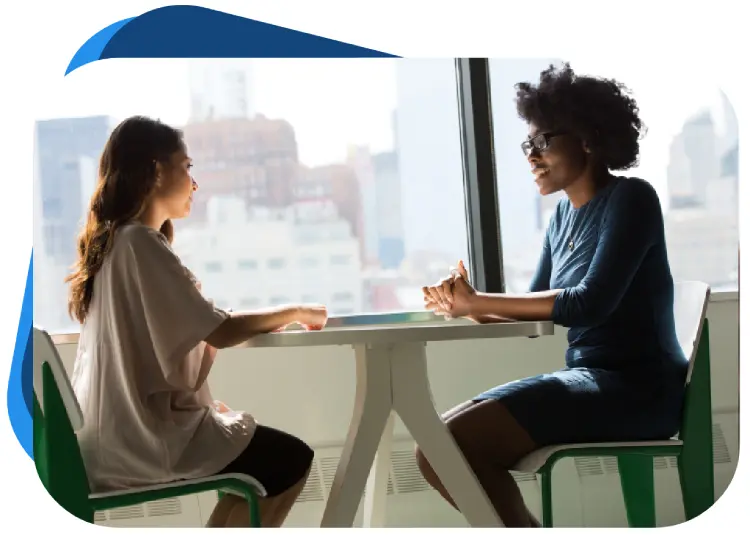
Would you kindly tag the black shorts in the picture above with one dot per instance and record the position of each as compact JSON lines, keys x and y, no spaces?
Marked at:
{"x":276,"y":459}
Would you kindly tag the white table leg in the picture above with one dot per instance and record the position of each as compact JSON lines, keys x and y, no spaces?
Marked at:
{"x":412,"y":400}
{"x":376,"y":491}
{"x":372,"y":408}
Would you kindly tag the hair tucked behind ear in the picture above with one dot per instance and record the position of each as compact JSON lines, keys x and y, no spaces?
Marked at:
{"x":127,"y":174}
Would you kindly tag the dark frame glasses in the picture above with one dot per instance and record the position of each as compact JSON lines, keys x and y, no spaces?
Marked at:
{"x":539,"y":142}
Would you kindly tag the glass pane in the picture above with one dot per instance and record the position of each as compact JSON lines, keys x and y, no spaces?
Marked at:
{"x":338,"y":180}
{"x":689,"y":155}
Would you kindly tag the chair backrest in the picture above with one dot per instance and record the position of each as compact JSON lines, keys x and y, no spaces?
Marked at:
{"x":57,"y":417}
{"x":690,"y":304}
{"x":46,"y":352}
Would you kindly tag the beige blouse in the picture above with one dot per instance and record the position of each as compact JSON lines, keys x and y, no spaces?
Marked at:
{"x":140,"y":372}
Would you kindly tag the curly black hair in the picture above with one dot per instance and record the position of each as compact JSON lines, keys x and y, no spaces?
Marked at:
{"x":599,"y":111}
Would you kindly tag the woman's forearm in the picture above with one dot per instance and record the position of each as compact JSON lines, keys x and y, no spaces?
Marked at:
{"x":241,"y":326}
{"x":533,"y":306}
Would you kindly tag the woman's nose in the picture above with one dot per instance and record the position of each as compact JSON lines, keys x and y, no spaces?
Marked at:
{"x":195,"y":184}
{"x":534,"y":155}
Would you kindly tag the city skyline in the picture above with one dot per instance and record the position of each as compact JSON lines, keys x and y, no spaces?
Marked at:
{"x":278,"y":95}
{"x":391,"y":191}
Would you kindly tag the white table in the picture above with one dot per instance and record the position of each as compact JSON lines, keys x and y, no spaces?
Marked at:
{"x":391,"y":364}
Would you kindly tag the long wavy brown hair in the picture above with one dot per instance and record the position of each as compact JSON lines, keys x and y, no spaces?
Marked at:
{"x":127,"y":175}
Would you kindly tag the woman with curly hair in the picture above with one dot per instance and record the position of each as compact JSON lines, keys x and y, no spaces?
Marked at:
{"x":603,"y":273}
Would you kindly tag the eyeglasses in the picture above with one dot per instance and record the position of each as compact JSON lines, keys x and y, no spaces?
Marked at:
{"x":540,"y":142}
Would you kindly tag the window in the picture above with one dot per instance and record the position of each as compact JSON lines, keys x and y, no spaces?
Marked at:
{"x":279,"y":300}
{"x":308,"y":262}
{"x":247,"y":265}
{"x":213,"y":267}
{"x":51,"y":208}
{"x":689,"y":155}
{"x":276,"y":263}
{"x":340,"y":260}
{"x":342,"y":297}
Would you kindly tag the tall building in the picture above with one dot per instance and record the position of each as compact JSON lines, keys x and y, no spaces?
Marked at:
{"x":390,"y":222}
{"x":702,"y":223}
{"x":256,"y":161}
{"x":338,"y":184}
{"x":693,"y":162}
{"x":220,"y":89}
{"x":380,"y":206}
{"x":359,"y":160}
{"x":268,"y":257}
{"x":253,"y":159}
{"x":66,"y":154}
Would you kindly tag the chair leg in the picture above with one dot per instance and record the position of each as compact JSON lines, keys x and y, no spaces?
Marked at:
{"x":637,"y":481}
{"x":696,"y":461}
{"x":697,"y":482}
{"x":546,"y":475}
{"x":252,"y":501}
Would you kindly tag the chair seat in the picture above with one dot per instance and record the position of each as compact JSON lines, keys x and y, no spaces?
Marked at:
{"x":534,"y":461}
{"x":249,"y":480}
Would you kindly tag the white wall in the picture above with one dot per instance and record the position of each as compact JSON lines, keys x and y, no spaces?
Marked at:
{"x":310,"y":393}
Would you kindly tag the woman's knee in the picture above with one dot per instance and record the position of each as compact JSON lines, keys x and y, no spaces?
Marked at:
{"x":488,"y":434}
{"x":294,"y":459}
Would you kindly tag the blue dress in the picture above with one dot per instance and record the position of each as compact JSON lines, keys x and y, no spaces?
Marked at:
{"x":624,"y":370}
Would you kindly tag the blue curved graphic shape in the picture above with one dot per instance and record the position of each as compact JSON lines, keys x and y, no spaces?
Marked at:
{"x":197,"y":32}
{"x":92,"y":48}
{"x":20,"y":383}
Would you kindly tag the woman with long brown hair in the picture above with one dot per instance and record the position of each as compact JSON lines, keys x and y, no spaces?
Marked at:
{"x":149,"y":338}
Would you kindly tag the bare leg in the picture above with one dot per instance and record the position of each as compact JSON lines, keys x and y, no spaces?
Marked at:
{"x":492,"y":441}
{"x":455,"y":411}
{"x":273,"y":511}
{"x":222,"y":510}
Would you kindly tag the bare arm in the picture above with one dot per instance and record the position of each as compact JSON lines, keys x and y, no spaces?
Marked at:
{"x":482,"y":307}
{"x":241,"y":326}
{"x":629,"y":228}
{"x":533,"y":306}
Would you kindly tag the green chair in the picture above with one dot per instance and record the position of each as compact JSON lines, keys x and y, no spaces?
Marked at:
{"x":693,"y":445}
{"x":57,"y":418}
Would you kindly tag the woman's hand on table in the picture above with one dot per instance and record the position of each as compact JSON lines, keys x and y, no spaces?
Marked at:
{"x":451,"y":297}
{"x":312,"y":317}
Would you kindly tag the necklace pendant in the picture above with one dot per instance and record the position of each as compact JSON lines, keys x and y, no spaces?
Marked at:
{"x":570,"y":244}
